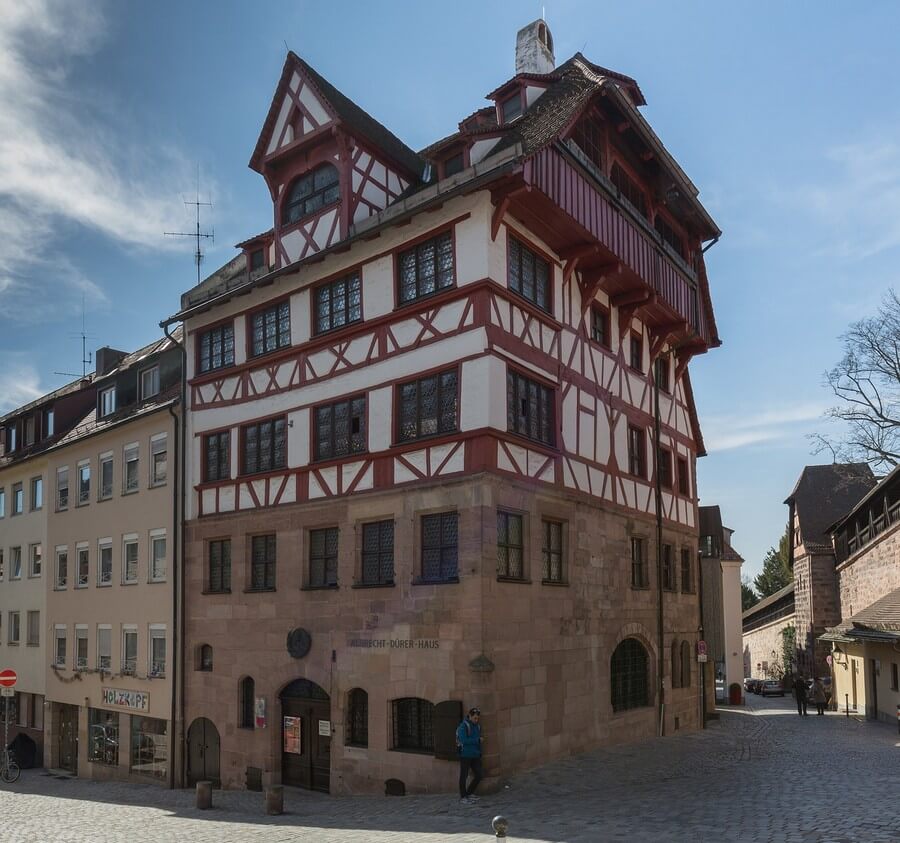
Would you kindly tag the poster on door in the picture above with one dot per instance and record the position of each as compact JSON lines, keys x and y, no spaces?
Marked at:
{"x":292,"y":735}
{"x":259,"y":710}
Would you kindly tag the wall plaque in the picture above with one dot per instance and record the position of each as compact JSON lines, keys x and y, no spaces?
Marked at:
{"x":298,"y":642}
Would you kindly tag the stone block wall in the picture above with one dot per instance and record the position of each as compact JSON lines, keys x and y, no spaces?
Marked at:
{"x":871,"y":573}
{"x":759,"y":644}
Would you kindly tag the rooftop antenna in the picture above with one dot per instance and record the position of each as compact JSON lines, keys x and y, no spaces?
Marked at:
{"x":85,"y":354}
{"x":197,"y":234}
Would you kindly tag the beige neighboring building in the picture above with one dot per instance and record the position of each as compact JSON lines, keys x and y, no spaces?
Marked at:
{"x":111,"y":539}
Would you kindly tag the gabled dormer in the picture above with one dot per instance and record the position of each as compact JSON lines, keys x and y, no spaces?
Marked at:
{"x":327,"y":163}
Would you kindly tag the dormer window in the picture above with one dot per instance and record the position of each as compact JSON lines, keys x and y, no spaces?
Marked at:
{"x":29,"y":431}
{"x":257,"y":259}
{"x":48,"y":423}
{"x":311,"y":192}
{"x":11,"y":443}
{"x":149,"y":382}
{"x":107,"y":401}
{"x":454,"y":164}
{"x":511,"y":108}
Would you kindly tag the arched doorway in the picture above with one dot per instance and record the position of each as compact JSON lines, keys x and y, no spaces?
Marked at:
{"x":305,"y":736}
{"x":203,"y":752}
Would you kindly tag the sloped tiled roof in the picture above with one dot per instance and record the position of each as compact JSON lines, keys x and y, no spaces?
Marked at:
{"x":129,"y":360}
{"x":74,"y":386}
{"x":766,"y":602}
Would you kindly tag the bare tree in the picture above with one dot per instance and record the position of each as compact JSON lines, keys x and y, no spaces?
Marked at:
{"x":867,"y":383}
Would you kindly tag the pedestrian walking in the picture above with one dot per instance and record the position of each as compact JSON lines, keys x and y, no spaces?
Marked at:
{"x":800,"y":694}
{"x":819,"y":696}
{"x":468,"y":745}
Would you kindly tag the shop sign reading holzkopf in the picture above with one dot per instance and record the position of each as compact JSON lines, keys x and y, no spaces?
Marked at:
{"x":137,"y":700}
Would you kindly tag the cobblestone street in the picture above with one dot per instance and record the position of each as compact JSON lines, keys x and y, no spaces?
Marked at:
{"x":759,"y":774}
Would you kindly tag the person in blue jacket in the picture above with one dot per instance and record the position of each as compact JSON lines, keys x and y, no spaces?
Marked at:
{"x":468,"y":745}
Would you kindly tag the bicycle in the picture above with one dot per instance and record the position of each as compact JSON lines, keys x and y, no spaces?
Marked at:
{"x":9,"y":769}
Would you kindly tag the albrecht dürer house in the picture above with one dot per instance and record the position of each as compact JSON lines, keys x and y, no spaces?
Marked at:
{"x":422,"y":427}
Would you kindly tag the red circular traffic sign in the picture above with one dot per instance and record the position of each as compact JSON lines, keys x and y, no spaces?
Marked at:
{"x":8,"y":678}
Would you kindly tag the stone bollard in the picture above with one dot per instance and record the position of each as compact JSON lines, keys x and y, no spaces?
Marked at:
{"x":500,"y":825}
{"x":274,"y":800}
{"x":204,"y":795}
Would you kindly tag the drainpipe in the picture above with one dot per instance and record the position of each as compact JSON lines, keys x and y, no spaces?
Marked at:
{"x":176,"y":754}
{"x":660,"y":661}
{"x":700,"y":628}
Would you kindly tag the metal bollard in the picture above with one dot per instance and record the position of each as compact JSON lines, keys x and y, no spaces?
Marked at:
{"x":274,"y":800}
{"x":847,"y":703}
{"x":204,"y":795}
{"x":500,"y":825}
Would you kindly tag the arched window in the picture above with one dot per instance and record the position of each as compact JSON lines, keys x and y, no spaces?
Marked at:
{"x":676,"y":664}
{"x":247,"y":693}
{"x":205,"y":661}
{"x":357,"y":731}
{"x":313,"y":190}
{"x":685,"y":664}
{"x":413,"y":721}
{"x":628,"y":675}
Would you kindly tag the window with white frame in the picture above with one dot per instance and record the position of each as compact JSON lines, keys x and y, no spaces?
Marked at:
{"x":13,"y":628}
{"x":60,"y":645}
{"x":62,"y":488}
{"x":157,"y":555}
{"x":84,"y":482}
{"x":18,"y":499}
{"x":130,"y":558}
{"x":130,"y":478}
{"x":157,"y":650}
{"x":62,"y":567}
{"x":2,"y":503}
{"x":104,"y":562}
{"x":104,"y":647}
{"x":35,"y":557}
{"x":107,"y":401}
{"x":149,"y":382}
{"x":81,"y":646}
{"x":33,"y":631}
{"x":37,"y":493}
{"x":15,"y":563}
{"x":106,"y":476}
{"x":158,"y":459}
{"x":83,"y":556}
{"x":129,"y":649}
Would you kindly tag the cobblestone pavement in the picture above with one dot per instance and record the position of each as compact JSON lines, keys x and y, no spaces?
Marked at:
{"x":758,"y":774}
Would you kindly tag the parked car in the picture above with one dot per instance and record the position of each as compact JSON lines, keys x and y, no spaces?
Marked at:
{"x":772,"y":688}
{"x":748,"y":683}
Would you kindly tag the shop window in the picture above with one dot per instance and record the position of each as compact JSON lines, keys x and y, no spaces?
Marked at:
{"x":149,"y":746}
{"x":103,"y":736}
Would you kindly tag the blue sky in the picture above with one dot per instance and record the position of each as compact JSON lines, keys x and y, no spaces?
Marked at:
{"x":785,"y":116}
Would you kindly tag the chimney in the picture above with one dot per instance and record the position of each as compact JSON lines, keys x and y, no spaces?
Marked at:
{"x":534,"y":49}
{"x":107,"y":359}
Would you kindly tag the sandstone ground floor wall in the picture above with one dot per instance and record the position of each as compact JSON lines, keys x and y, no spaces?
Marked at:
{"x":764,"y":649}
{"x":23,"y":714}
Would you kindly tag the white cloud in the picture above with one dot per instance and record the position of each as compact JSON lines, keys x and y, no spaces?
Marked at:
{"x":729,"y":432}
{"x":19,"y":381}
{"x":64,"y":165}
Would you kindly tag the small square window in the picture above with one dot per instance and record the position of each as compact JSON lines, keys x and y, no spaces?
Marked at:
{"x":661,"y":374}
{"x":637,"y":452}
{"x":636,"y":352}
{"x":639,"y":576}
{"x":600,"y":325}
{"x":511,"y":108}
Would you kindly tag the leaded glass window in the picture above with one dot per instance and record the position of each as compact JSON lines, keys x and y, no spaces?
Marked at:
{"x":528,"y":274}
{"x":217,"y":348}
{"x":552,"y":551}
{"x":413,"y":725}
{"x":687,"y":578}
{"x":637,"y":452}
{"x":440,"y":546}
{"x":323,"y":555}
{"x":357,"y":718}
{"x":629,"y":676}
{"x":338,"y":303}
{"x":265,"y":446}
{"x":428,"y":406}
{"x":262,"y":563}
{"x":341,"y":428}
{"x":426,"y":268}
{"x":220,"y":565}
{"x":217,"y":463}
{"x":529,"y":408}
{"x":271,"y":328}
{"x":668,"y":566}
{"x":378,"y":553}
{"x":311,"y":192}
{"x":510,"y":546}
{"x":639,"y":577}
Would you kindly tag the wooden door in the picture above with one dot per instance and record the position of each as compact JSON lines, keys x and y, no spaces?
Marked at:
{"x":203,"y":752}
{"x":306,"y":743}
{"x":68,"y":738}
{"x":872,"y":713}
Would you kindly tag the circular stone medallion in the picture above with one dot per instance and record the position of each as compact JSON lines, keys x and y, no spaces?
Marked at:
{"x":298,"y":642}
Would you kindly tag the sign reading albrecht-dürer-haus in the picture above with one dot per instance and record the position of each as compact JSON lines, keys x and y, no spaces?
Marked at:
{"x":135,"y":700}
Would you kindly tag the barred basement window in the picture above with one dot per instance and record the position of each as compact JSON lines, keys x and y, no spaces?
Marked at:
{"x":600,"y":325}
{"x":246,"y":694}
{"x":323,"y":553}
{"x":668,"y":566}
{"x":528,"y":274}
{"x":637,"y":452}
{"x":510,"y":546}
{"x":552,"y":551}
{"x":628,"y":189}
{"x":413,"y":722}
{"x":357,"y":718}
{"x":216,"y":348}
{"x":628,"y":675}
{"x":338,"y":303}
{"x":220,"y":566}
{"x":639,"y":577}
{"x":218,"y":462}
{"x":265,"y":446}
{"x":426,"y":268}
{"x":428,"y":406}
{"x":271,"y":329}
{"x":440,"y":547}
{"x":311,"y":192}
{"x":529,"y":408}
{"x":687,"y":579}
{"x":262,"y":563}
{"x":685,"y":664}
{"x":341,"y":428}
{"x":378,"y":553}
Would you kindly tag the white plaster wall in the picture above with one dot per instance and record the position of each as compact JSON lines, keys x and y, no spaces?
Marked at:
{"x":477,"y":386}
{"x":378,"y":287}
{"x":731,"y":612}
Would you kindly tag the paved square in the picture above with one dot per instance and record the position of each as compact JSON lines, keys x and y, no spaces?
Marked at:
{"x":759,"y":774}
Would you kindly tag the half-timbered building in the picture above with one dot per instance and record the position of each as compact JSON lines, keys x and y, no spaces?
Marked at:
{"x":442,"y":440}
